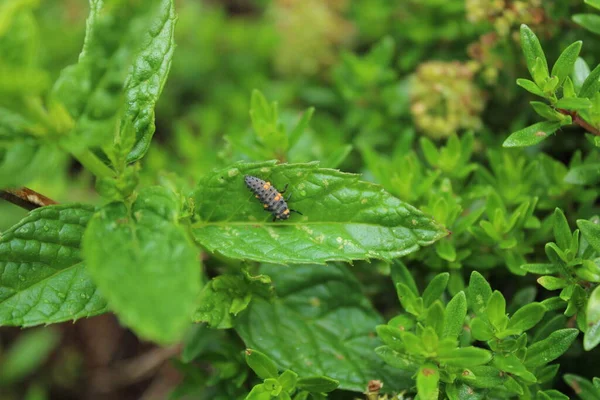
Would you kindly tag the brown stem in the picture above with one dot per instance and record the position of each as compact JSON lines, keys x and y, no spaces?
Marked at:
{"x":26,"y":198}
{"x":580,"y":121}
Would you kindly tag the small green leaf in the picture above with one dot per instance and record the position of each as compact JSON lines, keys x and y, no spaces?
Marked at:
{"x":580,"y":73}
{"x":591,"y":232}
{"x":40,"y":259}
{"x":262,"y":365}
{"x":227,"y":295}
{"x":564,"y":64}
{"x":531,"y":135}
{"x":550,"y":395}
{"x":367,"y":223}
{"x":401,"y":274}
{"x":318,"y":384}
{"x":552,"y":282}
{"x":428,"y":379}
{"x":481,"y":329}
{"x":591,"y":22}
{"x":540,"y":269}
{"x":301,"y":126}
{"x":588,"y":174}
{"x":527,"y":317}
{"x":408,"y":300}
{"x":511,"y":364}
{"x":454,"y":316}
{"x":288,"y":380}
{"x":465,"y":357}
{"x":483,"y":376}
{"x":478,"y":293}
{"x":545,"y":111}
{"x":27,"y":352}
{"x":591,"y":85}
{"x":157,"y":296}
{"x":562,"y":231}
{"x":533,"y":51}
{"x":573,"y":103}
{"x":549,"y":349}
{"x":569,"y":89}
{"x":496,"y":310}
{"x":396,"y":359}
{"x":435,"y":288}
{"x":592,"y":333}
{"x":583,"y":388}
{"x":531,"y":87}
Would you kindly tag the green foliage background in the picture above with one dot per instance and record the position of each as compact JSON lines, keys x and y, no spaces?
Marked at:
{"x":448,"y":243}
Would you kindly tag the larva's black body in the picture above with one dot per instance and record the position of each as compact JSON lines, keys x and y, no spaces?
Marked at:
{"x":270,"y":197}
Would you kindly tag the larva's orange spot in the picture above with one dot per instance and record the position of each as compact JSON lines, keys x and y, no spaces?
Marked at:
{"x":277,"y":198}
{"x":265,"y":205}
{"x":267,"y":185}
{"x":286,"y":211}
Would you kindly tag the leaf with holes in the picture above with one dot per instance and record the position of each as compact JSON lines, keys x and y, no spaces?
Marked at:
{"x":43,"y":278}
{"x":343,"y":218}
{"x":321,"y":323}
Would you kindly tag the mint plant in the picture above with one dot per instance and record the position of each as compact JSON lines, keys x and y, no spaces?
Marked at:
{"x":387,"y":141}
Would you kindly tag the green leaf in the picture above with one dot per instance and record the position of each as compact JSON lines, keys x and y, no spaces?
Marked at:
{"x":435,"y":288}
{"x":288,"y":380}
{"x":481,"y":329}
{"x":478,"y":293}
{"x":531,"y":87}
{"x":532,"y":51}
{"x":318,"y":384}
{"x":591,"y":232}
{"x":511,"y":364}
{"x":549,"y":349}
{"x":496,"y":310}
{"x":454,"y":316}
{"x":397,"y":359}
{"x":580,"y":73}
{"x":148,"y":74}
{"x":562,"y":231}
{"x":592,"y":333}
{"x":297,"y":132}
{"x":551,"y":395}
{"x":367,"y":222}
{"x":391,"y":336}
{"x":573,"y":103}
{"x":145,"y":265}
{"x":22,"y":156}
{"x":564,"y":64}
{"x":122,"y":68}
{"x":540,"y":269}
{"x":225,"y":296}
{"x":40,"y":259}
{"x":527,"y":317}
{"x":593,"y":3}
{"x":28,"y":352}
{"x":262,"y":365}
{"x":428,"y":379}
{"x":320,"y":323}
{"x":583,"y":388}
{"x":545,"y":111}
{"x":552,"y":282}
{"x":483,"y":376}
{"x":531,"y":135}
{"x":401,"y":274}
{"x":465,"y":357}
{"x":591,"y":85}
{"x":591,"y":22}
{"x":588,"y":174}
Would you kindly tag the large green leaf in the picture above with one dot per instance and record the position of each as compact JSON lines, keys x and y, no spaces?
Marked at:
{"x":43,"y":279}
{"x":343,"y":218}
{"x":122,"y":67}
{"x":144,"y":264}
{"x":321,"y":324}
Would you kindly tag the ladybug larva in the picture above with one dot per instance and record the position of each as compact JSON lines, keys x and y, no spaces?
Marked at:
{"x":270,"y":197}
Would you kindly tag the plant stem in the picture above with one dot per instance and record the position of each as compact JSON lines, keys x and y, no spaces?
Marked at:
{"x":89,"y":160}
{"x":580,"y":121}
